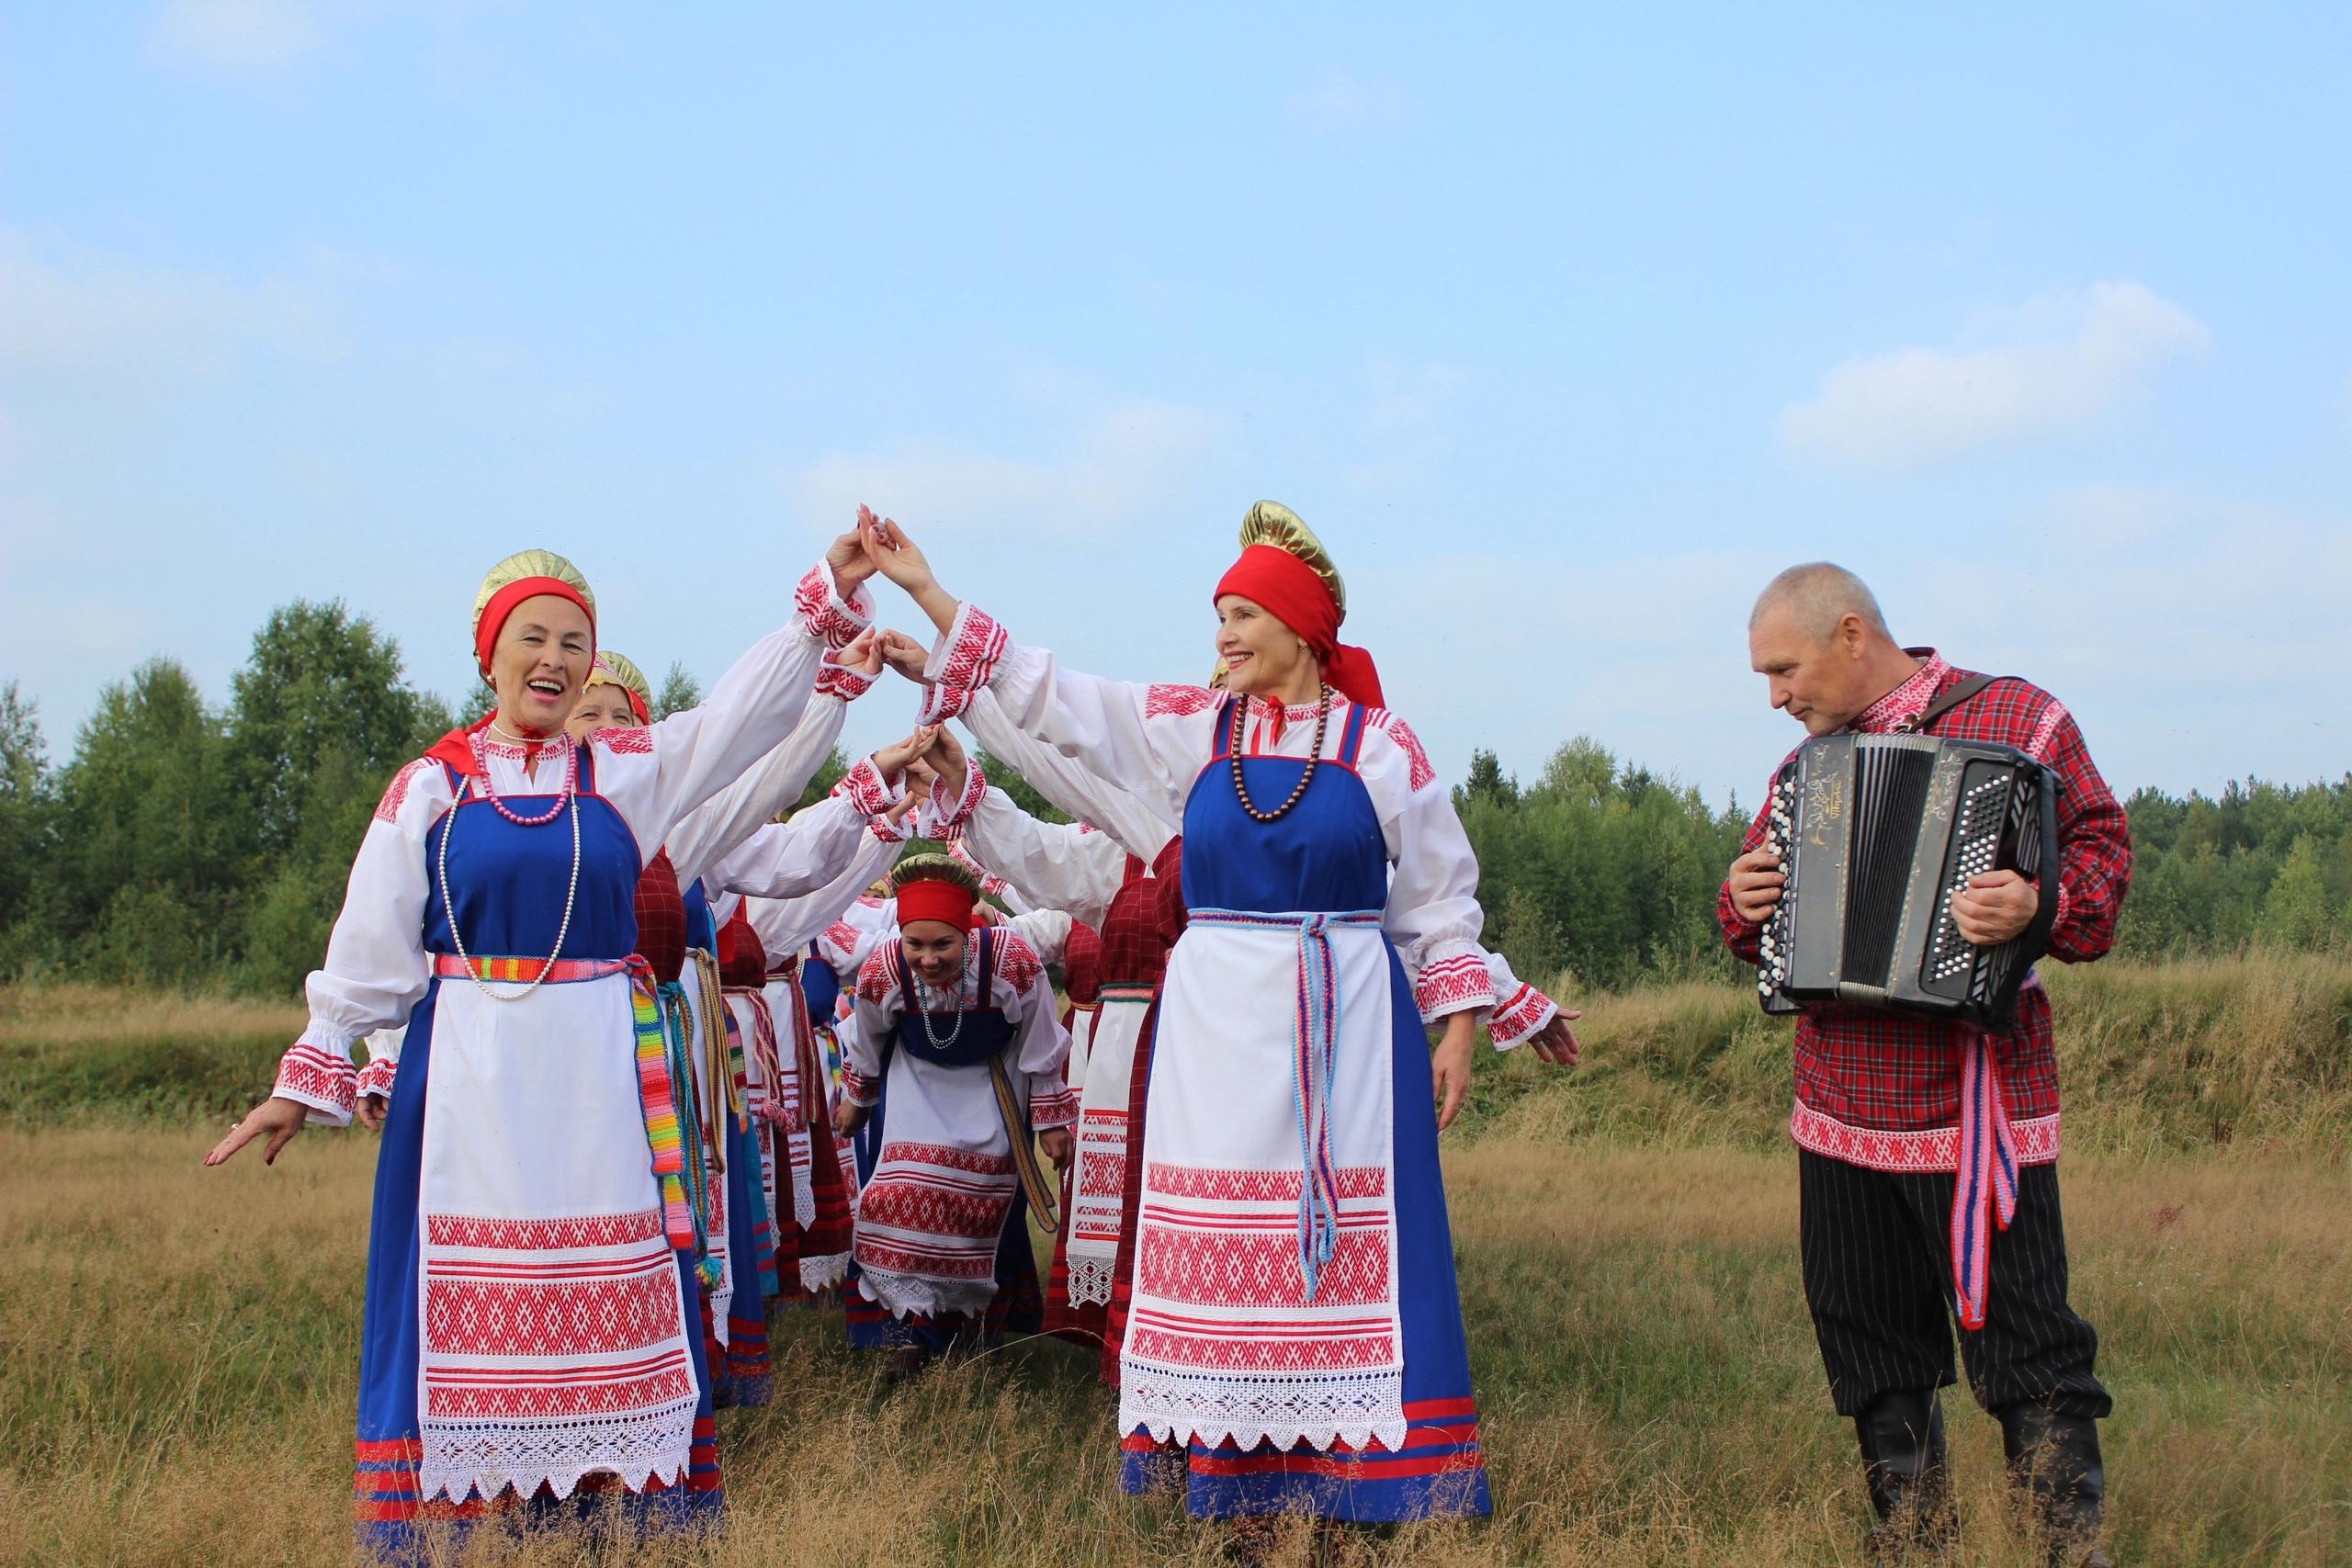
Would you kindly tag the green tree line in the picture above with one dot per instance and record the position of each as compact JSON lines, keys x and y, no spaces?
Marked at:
{"x":184,"y":842}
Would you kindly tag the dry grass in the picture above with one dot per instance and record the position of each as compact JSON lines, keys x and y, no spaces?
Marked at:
{"x":178,"y":1353}
{"x":178,"y":1350}
{"x":2154,"y":1058}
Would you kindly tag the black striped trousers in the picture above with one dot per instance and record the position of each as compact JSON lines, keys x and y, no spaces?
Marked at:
{"x":1877,"y":1251}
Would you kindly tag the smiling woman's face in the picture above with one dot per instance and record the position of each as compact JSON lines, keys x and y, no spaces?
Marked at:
{"x":602,"y":706}
{"x":540,"y":666}
{"x":936,"y":950}
{"x":1261,"y":655}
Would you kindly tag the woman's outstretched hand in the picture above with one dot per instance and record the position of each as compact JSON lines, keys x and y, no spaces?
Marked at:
{"x":902,"y":560}
{"x":892,"y":759}
{"x":1450,"y":1066}
{"x":892,"y":554}
{"x":863,"y":654}
{"x":373,"y":1109}
{"x":848,"y":559}
{"x":281,"y":1119}
{"x":1557,"y":1042}
{"x":905,"y":655}
{"x":946,"y":760}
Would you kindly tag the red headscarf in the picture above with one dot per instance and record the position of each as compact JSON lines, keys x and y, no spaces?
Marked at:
{"x":502,"y":604}
{"x":942,"y":901}
{"x":1295,"y":594}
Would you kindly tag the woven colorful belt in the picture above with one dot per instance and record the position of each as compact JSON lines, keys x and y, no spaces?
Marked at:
{"x":523,"y":971}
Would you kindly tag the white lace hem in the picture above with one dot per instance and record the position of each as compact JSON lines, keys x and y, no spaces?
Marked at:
{"x":904,"y":1293}
{"x":1091,"y":1280}
{"x":490,"y":1456}
{"x":822,"y":1273}
{"x":1358,"y":1409}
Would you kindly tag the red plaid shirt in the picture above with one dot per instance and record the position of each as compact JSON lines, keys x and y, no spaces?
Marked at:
{"x":1868,"y":1069}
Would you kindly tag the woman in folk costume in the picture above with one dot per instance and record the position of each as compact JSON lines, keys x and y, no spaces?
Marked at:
{"x":1296,"y":1320}
{"x":526,"y":1333}
{"x":1084,"y":870}
{"x":956,"y":1055}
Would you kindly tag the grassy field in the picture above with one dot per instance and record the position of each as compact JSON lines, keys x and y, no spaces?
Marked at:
{"x":178,"y":1348}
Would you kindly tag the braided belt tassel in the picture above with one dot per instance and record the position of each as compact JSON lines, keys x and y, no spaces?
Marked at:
{"x":696,"y":1174}
{"x":1315,"y":1046}
{"x":657,"y":1093}
{"x":1984,"y":1196}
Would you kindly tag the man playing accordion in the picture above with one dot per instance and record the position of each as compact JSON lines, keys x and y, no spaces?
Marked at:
{"x":1916,"y":1202}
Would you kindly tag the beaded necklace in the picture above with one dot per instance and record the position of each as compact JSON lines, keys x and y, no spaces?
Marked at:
{"x":1314,"y":756}
{"x":925,"y":996}
{"x":570,"y":797}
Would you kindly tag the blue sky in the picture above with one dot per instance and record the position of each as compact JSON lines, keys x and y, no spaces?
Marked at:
{"x":1565,"y":327}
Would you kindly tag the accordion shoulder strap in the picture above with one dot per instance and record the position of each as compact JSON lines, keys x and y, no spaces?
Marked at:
{"x":1947,"y":700}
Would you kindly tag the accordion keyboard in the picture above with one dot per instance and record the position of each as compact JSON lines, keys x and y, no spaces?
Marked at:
{"x":1976,"y":845}
{"x":1779,"y":837}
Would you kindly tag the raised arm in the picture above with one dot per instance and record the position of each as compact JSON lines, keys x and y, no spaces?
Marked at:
{"x":1149,"y":741}
{"x":722,"y":825}
{"x":1071,"y":786}
{"x":1062,"y":866}
{"x":787,"y":859}
{"x":656,"y":776}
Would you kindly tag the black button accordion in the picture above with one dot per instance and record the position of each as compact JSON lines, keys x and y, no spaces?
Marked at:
{"x":1876,"y":834}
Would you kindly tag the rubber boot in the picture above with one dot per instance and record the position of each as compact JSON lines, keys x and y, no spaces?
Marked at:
{"x":2054,"y":1463}
{"x":1902,"y":1436}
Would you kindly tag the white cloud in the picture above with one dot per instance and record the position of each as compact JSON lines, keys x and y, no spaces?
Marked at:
{"x":240,"y":36}
{"x":1116,"y":467}
{"x":83,"y":318}
{"x":2052,"y":366}
{"x":1333,"y":99}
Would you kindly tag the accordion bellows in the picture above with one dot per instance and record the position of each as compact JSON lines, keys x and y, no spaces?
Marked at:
{"x":1877,"y":833}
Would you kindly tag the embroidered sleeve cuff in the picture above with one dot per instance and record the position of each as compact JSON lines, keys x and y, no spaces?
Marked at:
{"x":376,"y":1076}
{"x":859,"y":1090}
{"x":959,"y":810}
{"x":942,"y":703}
{"x":1520,"y":1015}
{"x":1047,"y":1112}
{"x":966,"y":659}
{"x":1450,"y":984}
{"x":322,"y":1081}
{"x":867,"y":788}
{"x":830,"y":618}
{"x":835,"y":679}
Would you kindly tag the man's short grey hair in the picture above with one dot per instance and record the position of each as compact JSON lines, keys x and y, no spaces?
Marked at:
{"x":1818,"y":595}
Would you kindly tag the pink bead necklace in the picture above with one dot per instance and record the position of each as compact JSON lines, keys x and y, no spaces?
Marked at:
{"x":563,"y":795}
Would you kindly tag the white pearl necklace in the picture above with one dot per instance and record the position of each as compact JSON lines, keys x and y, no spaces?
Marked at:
{"x":448,"y":909}
{"x":925,"y":996}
